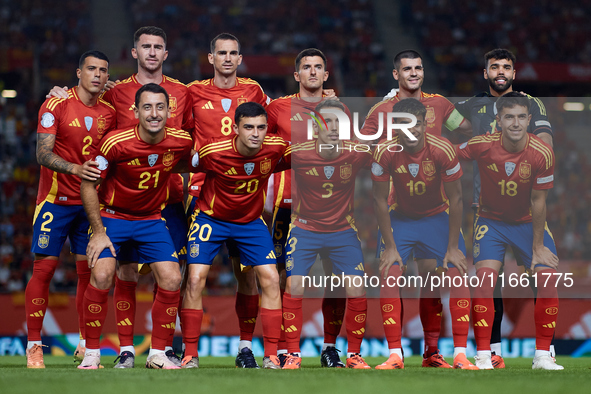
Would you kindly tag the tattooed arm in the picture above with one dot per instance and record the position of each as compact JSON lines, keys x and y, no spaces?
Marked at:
{"x":46,"y":158}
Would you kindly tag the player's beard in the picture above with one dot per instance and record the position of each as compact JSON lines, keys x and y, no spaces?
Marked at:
{"x":151,"y":67}
{"x":498,"y":88}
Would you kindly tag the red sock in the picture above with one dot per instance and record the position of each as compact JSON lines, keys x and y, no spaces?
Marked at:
{"x":430,"y":310}
{"x":191,"y":326}
{"x":391,"y":309}
{"x":83,"y":280}
{"x":292,"y":322}
{"x":483,"y":307}
{"x":124,"y":300}
{"x":170,"y":339}
{"x":37,"y":296}
{"x":459,"y":308}
{"x":282,"y":344}
{"x":164,"y":317}
{"x":95,"y":313}
{"x":271,"y":319}
{"x":333,"y":312}
{"x":546,"y":308}
{"x":355,"y":322}
{"x":247,"y":310}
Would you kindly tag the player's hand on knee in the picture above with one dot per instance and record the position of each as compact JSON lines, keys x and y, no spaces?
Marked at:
{"x":457,"y":258}
{"x":387,"y":259}
{"x":544,"y":256}
{"x":59,"y":92}
{"x":88,"y":171}
{"x":96,"y":245}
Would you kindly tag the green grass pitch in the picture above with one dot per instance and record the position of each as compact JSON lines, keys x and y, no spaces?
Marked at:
{"x":218,"y":375}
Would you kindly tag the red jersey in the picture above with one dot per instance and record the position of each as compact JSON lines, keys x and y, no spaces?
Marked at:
{"x":418,"y":178}
{"x":325,"y":189}
{"x":213,"y":113}
{"x":122,"y":97}
{"x":135,"y":174}
{"x":507,"y":179}
{"x":78,"y":130}
{"x":235,"y":185}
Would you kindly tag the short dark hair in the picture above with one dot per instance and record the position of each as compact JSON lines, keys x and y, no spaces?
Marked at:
{"x":152,"y":88}
{"x":150,"y":31}
{"x":97,"y":54}
{"x":330,"y":103}
{"x":406,"y":54}
{"x":223,"y":36}
{"x":250,"y":109}
{"x":511,"y":100}
{"x":411,"y":106}
{"x":306,"y":53}
{"x":500,"y":54}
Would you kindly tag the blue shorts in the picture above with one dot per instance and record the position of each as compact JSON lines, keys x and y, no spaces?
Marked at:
{"x":341,"y":247}
{"x":190,"y":206}
{"x":280,"y":228}
{"x":53,"y":223}
{"x":252,"y":240}
{"x":150,"y":238}
{"x":491,"y":238}
{"x":176,"y":222}
{"x":426,"y":237}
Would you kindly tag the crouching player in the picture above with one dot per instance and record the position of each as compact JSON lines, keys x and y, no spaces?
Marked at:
{"x":425,"y":218}
{"x":229,"y":208}
{"x":322,"y":223}
{"x":136,"y":164}
{"x":516,"y":170}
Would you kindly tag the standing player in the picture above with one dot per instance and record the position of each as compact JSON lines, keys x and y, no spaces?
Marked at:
{"x":426,"y":175}
{"x":499,"y":71}
{"x":67,"y":132}
{"x":409,"y":72}
{"x":288,"y":115}
{"x":150,"y":51}
{"x":131,"y":197}
{"x":214,"y":102}
{"x":517,"y":170}
{"x":229,"y":208}
{"x":324,"y":173}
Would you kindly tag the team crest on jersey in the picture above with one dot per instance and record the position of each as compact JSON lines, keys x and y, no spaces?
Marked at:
{"x":346,"y":171}
{"x":43,"y":241}
{"x":265,"y":166}
{"x":509,"y":168}
{"x":101,"y":125}
{"x":152,"y":159}
{"x":88,"y":122}
{"x":288,"y":263}
{"x":248,"y":168}
{"x":172,"y":103}
{"x":476,"y":250}
{"x":328,"y":171}
{"x":242,"y":100}
{"x":524,"y":170}
{"x":430,"y":116}
{"x":194,"y":250}
{"x":428,"y":168}
{"x":167,"y":159}
{"x":413,"y":168}
{"x":278,"y":250}
{"x":226,"y":104}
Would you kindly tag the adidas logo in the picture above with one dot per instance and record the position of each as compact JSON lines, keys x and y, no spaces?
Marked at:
{"x":359,"y":267}
{"x":132,"y":107}
{"x":171,"y":326}
{"x":482,"y":110}
{"x":37,"y":314}
{"x":125,"y":322}
{"x":550,"y":325}
{"x":271,"y":255}
{"x":296,"y":117}
{"x":95,"y":323}
{"x":231,"y":171}
{"x":336,"y":322}
{"x":359,"y":332}
{"x":208,"y":105}
{"x":464,"y":318}
{"x":134,"y":162}
{"x":291,"y":329}
{"x":493,"y":167}
{"x":175,"y":255}
{"x":390,"y":321}
{"x":75,"y":123}
{"x":184,"y":250}
{"x":251,"y":321}
{"x":312,"y":172}
{"x":401,"y":170}
{"x":481,"y":323}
